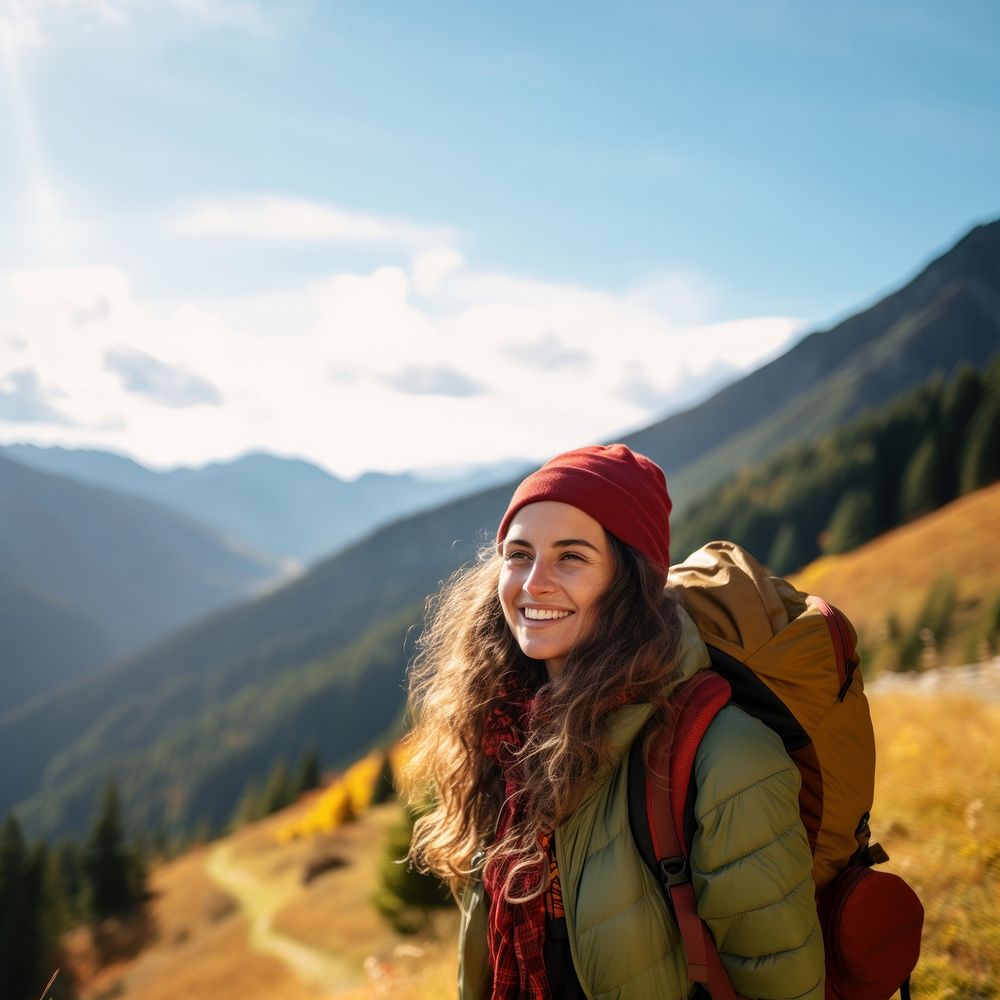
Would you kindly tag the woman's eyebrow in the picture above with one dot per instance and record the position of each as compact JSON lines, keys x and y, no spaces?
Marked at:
{"x":518,"y":541}
{"x":563,"y":543}
{"x":574,"y":543}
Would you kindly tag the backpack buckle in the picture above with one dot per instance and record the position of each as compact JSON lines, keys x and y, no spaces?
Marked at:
{"x":674,"y":871}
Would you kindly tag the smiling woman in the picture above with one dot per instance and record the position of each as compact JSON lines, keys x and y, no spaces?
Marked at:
{"x":538,"y":668}
{"x":557,"y":562}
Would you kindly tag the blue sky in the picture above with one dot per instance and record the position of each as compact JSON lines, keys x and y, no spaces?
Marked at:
{"x":394,"y":235}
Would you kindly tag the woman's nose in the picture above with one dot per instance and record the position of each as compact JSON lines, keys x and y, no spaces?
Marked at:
{"x":539,"y":580}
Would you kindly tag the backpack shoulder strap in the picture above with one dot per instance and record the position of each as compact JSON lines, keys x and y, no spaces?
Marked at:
{"x":670,"y":758}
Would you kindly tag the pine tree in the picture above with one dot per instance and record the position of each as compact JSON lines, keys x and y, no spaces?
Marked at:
{"x":853,"y":522}
{"x":962,"y":398}
{"x":47,"y":915}
{"x":26,"y":942}
{"x":781,"y":558}
{"x":250,"y":806}
{"x":981,"y":458}
{"x":68,"y":861}
{"x":991,"y":625}
{"x":309,"y":772}
{"x":138,"y":868}
{"x":385,"y":783}
{"x":107,"y":866}
{"x":278,"y":792}
{"x":923,"y":486}
{"x":405,"y":896}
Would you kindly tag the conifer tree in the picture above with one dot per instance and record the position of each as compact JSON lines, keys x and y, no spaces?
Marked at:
{"x":981,"y":459}
{"x":385,"y":783}
{"x":853,"y":522}
{"x":278,"y":792}
{"x":26,"y":939}
{"x":405,"y":896}
{"x":67,"y":858}
{"x":784,"y":550}
{"x":924,"y":481}
{"x":250,"y":806}
{"x":962,"y":397}
{"x":991,"y":625}
{"x":309,"y":772}
{"x":107,"y":865}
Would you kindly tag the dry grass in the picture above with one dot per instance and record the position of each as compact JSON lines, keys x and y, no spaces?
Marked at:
{"x":937,"y":813}
{"x":198,"y":948}
{"x":198,"y":941}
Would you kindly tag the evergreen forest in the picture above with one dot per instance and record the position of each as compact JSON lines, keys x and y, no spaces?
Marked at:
{"x":936,"y":443}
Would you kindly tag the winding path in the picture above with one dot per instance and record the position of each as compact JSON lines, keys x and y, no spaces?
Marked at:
{"x":260,"y":901}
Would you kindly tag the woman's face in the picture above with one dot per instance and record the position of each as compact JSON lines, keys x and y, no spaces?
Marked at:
{"x":556,"y":564}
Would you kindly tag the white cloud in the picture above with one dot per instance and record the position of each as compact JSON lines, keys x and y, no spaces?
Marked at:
{"x":431,"y":268}
{"x":386,"y":370}
{"x":270,"y":217}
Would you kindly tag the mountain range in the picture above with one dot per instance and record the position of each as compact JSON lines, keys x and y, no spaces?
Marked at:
{"x":287,"y":508}
{"x":88,"y":575}
{"x":321,"y":661}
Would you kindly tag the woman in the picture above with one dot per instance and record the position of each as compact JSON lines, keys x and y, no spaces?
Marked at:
{"x":539,"y":666}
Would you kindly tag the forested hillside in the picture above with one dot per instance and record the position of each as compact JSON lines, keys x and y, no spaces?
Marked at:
{"x":934,"y":444}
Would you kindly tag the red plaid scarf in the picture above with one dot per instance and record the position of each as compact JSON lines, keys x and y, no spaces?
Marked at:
{"x":516,"y":931}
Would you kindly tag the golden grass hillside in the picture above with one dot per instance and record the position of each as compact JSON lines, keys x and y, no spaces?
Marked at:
{"x":892,"y":574}
{"x":937,"y":813}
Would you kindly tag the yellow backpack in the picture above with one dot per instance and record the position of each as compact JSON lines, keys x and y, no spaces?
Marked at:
{"x":791,"y":660}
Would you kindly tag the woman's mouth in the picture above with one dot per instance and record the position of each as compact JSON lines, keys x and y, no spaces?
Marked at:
{"x":544,"y":614}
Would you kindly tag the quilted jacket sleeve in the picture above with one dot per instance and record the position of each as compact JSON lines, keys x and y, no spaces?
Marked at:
{"x":751,"y":864}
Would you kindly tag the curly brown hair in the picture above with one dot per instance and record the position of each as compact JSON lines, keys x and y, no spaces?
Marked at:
{"x":466,"y":656}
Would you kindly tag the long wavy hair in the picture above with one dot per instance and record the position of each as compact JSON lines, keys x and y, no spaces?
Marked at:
{"x":466,"y":656}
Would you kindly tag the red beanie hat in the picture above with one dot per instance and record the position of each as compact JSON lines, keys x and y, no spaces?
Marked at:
{"x":621,"y":489}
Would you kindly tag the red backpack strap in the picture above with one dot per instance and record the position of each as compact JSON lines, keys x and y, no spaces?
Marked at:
{"x":669,"y":769}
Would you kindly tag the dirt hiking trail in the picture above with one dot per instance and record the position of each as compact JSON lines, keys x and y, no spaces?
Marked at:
{"x":260,"y":901}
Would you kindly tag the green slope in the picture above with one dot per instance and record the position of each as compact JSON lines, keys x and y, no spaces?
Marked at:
{"x":45,"y":641}
{"x":81,"y":734}
{"x":193,"y":775}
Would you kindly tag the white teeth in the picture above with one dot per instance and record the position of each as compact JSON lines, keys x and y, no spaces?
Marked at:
{"x":541,"y":615}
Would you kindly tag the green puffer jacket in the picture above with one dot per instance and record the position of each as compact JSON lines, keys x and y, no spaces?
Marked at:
{"x":751,"y":869}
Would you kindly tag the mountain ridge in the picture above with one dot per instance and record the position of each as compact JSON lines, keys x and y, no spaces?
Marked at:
{"x":134,"y":570}
{"x":284,"y":506}
{"x":693,"y":444}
